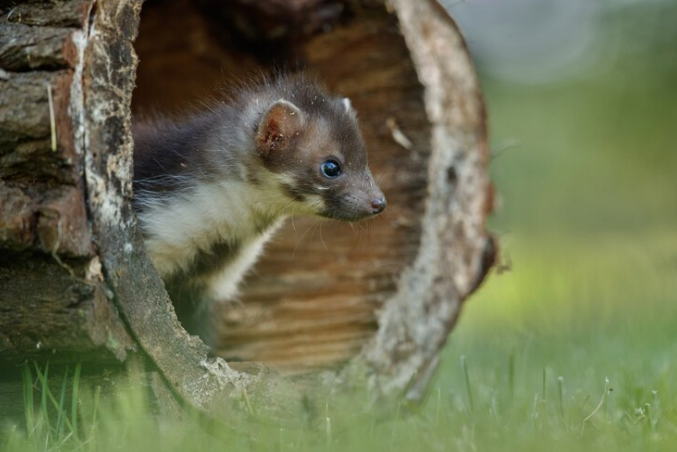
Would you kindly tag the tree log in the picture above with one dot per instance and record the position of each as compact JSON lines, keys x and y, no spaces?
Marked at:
{"x":53,"y":300}
{"x":75,"y":281}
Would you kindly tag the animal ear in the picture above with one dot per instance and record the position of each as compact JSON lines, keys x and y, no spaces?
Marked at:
{"x":280,"y":124}
{"x":348,"y":107}
{"x":346,"y":104}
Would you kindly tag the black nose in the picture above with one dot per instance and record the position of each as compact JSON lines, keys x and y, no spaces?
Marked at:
{"x":378,"y":204}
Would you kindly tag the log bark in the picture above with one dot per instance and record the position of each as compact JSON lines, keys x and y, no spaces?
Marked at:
{"x":53,"y":300}
{"x":75,"y":281}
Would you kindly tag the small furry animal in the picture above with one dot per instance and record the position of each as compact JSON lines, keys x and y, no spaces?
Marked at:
{"x":212,"y":189}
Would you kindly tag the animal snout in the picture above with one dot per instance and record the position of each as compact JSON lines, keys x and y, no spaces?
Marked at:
{"x":378,"y":204}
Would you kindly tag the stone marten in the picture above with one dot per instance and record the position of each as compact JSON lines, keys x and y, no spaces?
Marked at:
{"x":210,"y":190}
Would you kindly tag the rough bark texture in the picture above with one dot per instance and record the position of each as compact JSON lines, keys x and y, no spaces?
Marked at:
{"x":454,"y":252}
{"x":53,"y":301}
{"x":75,"y":281}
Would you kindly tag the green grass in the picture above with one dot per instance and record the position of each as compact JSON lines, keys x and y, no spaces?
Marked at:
{"x":50,"y":422}
{"x":568,"y":383}
{"x":573,"y":348}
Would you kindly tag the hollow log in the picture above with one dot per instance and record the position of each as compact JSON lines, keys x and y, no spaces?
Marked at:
{"x":376,"y":300}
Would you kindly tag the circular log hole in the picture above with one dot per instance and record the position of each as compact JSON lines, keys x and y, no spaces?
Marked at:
{"x":389,"y":290}
{"x":313,"y":299}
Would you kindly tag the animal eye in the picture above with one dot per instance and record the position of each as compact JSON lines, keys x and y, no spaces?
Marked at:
{"x":330,"y":169}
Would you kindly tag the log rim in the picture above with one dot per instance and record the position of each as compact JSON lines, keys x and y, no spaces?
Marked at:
{"x":389,"y":372}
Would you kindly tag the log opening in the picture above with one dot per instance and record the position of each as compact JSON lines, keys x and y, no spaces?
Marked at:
{"x":313,"y":299}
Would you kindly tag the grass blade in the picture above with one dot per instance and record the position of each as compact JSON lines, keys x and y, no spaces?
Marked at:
{"x":44,"y":394}
{"x":511,"y":377}
{"x":62,"y":401}
{"x":27,"y":378}
{"x":545,"y":376}
{"x":464,"y":368}
{"x":74,"y":399}
{"x":560,"y":390}
{"x":52,"y":119}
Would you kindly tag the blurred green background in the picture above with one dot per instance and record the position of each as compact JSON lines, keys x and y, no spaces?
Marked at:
{"x":585,"y":162}
{"x":584,"y":136}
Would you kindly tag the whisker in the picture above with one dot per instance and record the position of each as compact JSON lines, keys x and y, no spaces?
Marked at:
{"x":276,"y":213}
{"x":293,"y":255}
{"x":322,"y":239}
{"x":312,"y":236}
{"x":292,"y":220}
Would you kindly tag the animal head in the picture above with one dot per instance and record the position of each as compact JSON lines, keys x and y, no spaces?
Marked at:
{"x":312,"y":146}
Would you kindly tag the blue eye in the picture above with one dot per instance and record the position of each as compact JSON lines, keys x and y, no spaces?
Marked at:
{"x":330,"y":169}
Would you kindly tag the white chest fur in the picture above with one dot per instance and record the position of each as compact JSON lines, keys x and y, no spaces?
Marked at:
{"x":223,"y":284}
{"x":189,"y":223}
